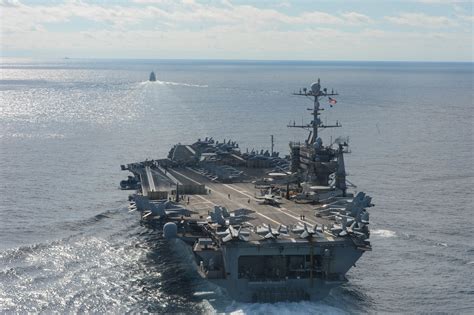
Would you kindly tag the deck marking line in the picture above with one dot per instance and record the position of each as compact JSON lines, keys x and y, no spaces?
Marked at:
{"x":239,"y":204}
{"x":215,"y":204}
{"x":189,"y":178}
{"x":294,"y":217}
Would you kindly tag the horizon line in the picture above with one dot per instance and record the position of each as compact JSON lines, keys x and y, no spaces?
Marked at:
{"x":229,"y":59}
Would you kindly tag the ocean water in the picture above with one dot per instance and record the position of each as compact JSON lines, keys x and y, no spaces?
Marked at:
{"x":69,"y":244}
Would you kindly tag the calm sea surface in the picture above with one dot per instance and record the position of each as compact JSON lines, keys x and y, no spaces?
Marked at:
{"x":69,"y":244}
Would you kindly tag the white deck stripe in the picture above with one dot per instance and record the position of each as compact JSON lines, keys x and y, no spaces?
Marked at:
{"x":244,"y":192}
{"x":268,"y":218}
{"x":215,"y":191}
{"x":215,"y":204}
{"x":239,"y":204}
{"x":151,"y":181}
{"x":189,"y":178}
{"x":292,"y":216}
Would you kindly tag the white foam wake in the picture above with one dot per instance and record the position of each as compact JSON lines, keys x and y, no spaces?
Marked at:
{"x":33,"y":135}
{"x":383,"y":233}
{"x":175,"y":83}
{"x":284,"y":308}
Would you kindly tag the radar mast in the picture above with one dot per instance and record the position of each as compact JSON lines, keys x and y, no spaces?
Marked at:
{"x":316,"y":93}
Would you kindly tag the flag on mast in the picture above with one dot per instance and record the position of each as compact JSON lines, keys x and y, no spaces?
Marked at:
{"x":332,"y":101}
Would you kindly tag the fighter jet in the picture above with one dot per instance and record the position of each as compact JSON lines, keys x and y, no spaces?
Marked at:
{"x":269,"y":199}
{"x":232,"y":234}
{"x":306,"y":231}
{"x":267,"y":232}
{"x":165,"y":209}
{"x":222,"y":217}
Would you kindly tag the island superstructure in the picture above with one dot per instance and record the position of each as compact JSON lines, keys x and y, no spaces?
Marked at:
{"x":263,"y":227}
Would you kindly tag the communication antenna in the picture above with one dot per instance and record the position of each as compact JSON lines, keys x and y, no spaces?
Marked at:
{"x":316,"y":93}
{"x":271,"y":137}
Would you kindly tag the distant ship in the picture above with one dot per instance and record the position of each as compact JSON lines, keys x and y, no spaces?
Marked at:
{"x":152,"y":76}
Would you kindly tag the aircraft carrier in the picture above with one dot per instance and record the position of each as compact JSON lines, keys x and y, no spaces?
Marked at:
{"x":265,"y":228}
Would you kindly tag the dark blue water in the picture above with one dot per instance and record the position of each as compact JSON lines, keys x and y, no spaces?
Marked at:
{"x":68,"y":242}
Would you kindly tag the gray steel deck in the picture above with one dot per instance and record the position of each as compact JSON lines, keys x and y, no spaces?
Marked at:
{"x":243,"y":195}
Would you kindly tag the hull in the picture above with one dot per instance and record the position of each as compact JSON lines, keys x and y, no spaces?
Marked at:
{"x":277,"y":291}
{"x":258,"y":291}
{"x":301,"y":287}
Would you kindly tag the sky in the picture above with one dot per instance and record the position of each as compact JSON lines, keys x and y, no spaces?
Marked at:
{"x":372,"y":30}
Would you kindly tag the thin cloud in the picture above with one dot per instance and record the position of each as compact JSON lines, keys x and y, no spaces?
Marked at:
{"x":421,"y":20}
{"x":357,"y":18}
{"x":151,"y":1}
{"x":467,"y":18}
{"x":284,"y":4}
{"x":23,"y":17}
{"x":442,"y":1}
{"x":223,"y":29}
{"x":9,"y":3}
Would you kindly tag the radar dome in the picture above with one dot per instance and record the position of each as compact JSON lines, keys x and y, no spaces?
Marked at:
{"x":315,"y":87}
{"x":318,"y":143}
{"x":170,"y":230}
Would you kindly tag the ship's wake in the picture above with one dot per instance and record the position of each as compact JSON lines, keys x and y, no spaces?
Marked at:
{"x":128,"y":269}
{"x":72,"y":275}
{"x":175,"y":83}
{"x":282,"y":308}
{"x":383,"y":233}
